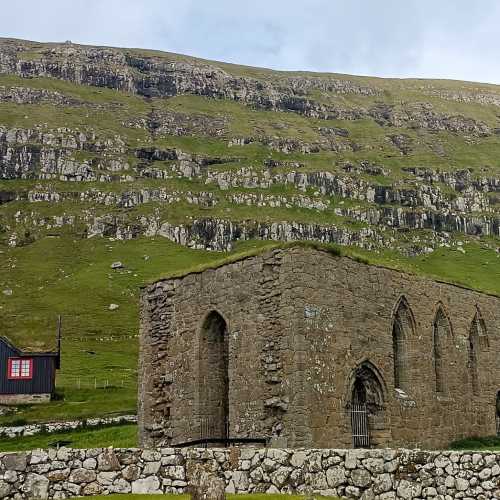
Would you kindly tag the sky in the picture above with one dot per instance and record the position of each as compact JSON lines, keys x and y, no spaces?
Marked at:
{"x":456,"y":39}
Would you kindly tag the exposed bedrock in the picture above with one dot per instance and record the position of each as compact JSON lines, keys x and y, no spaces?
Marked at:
{"x":344,"y":186}
{"x":220,"y":234}
{"x":479,"y":225}
{"x":151,"y":76}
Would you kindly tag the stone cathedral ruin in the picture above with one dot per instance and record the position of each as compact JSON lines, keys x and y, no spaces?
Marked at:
{"x":297,"y":347}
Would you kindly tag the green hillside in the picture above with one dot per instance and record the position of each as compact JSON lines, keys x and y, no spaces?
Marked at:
{"x":165,"y":163}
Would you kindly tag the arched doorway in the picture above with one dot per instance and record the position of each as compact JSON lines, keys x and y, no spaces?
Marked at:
{"x":213,"y":383}
{"x":367,"y":415}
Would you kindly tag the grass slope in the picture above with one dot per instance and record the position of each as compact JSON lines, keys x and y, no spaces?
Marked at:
{"x":125,"y":436}
{"x":122,"y":436}
{"x":490,"y":443}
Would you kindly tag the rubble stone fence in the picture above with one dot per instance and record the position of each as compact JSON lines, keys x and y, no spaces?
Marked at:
{"x":52,"y":427}
{"x":381,"y":474}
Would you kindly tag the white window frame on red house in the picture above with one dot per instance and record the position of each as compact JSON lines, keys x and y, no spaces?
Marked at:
{"x":20,"y":369}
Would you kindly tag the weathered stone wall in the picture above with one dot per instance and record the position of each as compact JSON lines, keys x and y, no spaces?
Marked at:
{"x":11,"y":431}
{"x":23,"y":399}
{"x":305,"y":331}
{"x":365,"y":474}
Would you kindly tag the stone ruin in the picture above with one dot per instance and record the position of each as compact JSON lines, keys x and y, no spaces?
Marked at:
{"x":297,"y":347}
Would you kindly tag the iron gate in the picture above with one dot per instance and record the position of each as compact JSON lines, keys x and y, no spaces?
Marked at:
{"x":214,"y":430}
{"x":212,"y":435}
{"x":360,"y":427}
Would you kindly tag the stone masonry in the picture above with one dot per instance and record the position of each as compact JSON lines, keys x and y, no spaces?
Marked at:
{"x":302,"y":348}
{"x":366,"y":474}
{"x":13,"y":431}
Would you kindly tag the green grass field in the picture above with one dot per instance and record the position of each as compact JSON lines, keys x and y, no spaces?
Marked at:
{"x":489,"y":443}
{"x":119,"y":436}
{"x":125,"y":436}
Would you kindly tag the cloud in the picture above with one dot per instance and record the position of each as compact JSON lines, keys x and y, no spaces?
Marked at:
{"x":446,"y":38}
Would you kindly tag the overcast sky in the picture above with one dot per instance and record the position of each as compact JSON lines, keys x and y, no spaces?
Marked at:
{"x":457,"y":39}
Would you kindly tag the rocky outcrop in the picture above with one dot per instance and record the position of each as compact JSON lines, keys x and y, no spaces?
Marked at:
{"x":35,"y":162}
{"x":26,"y":95}
{"x":164,"y":123}
{"x":155,"y":76}
{"x":126,"y":199}
{"x":41,"y":153}
{"x":276,"y":201}
{"x":479,"y":225}
{"x":64,"y":138}
{"x":423,"y":195}
{"x":367,"y":474}
{"x":423,"y":115}
{"x":160,"y":76}
{"x":220,"y":234}
{"x":459,"y":180}
{"x":324,"y":169}
{"x":467,"y":96}
{"x":402,"y":142}
{"x":329,"y":143}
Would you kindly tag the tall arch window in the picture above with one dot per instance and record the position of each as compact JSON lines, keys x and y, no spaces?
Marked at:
{"x":441,"y":333}
{"x":403,"y":327}
{"x":477,"y":338}
{"x":213,"y":380}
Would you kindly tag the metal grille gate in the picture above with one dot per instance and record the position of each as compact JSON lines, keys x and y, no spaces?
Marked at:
{"x":210,"y":431}
{"x":359,"y":426}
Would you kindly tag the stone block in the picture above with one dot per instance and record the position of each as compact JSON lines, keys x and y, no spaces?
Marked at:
{"x":149,"y":485}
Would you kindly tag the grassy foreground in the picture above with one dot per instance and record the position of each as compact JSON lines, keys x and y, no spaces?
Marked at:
{"x":125,"y":436}
{"x":477,"y":443}
{"x":119,"y":436}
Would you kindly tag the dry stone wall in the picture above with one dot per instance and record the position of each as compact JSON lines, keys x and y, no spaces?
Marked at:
{"x":366,"y":474}
{"x":51,"y":427}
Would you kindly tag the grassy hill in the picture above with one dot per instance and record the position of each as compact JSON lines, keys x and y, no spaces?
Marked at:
{"x":165,"y":162}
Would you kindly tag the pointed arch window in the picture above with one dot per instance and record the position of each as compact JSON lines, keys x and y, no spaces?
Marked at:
{"x":440,"y":334}
{"x":477,"y":338}
{"x":213,"y":380}
{"x":403,"y":328}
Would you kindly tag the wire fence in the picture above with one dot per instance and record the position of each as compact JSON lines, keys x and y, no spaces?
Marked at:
{"x":89,"y":382}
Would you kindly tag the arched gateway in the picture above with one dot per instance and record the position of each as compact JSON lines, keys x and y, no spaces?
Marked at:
{"x":366,"y":390}
{"x":213,"y":379}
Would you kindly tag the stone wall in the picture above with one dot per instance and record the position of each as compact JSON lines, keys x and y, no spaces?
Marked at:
{"x":309,"y":335}
{"x":12,"y":431}
{"x":24,"y":399}
{"x":365,"y":474}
